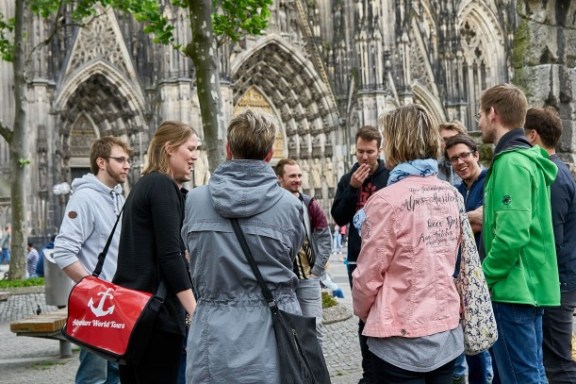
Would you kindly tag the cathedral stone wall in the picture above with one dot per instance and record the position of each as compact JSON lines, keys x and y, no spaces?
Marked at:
{"x":544,"y":62}
{"x":322,"y":69}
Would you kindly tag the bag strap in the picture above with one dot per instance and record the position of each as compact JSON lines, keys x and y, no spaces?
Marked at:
{"x":102,"y":255}
{"x":161,"y":291}
{"x":242,"y":239}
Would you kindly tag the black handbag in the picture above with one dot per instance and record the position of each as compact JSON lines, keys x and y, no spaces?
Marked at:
{"x":300,"y":356}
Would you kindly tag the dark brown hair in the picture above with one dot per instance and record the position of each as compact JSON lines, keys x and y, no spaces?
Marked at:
{"x":547,"y":123}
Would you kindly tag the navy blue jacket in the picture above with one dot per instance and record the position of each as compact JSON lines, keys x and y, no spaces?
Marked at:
{"x":474,"y":198}
{"x":348,"y":200}
{"x":563,"y":192}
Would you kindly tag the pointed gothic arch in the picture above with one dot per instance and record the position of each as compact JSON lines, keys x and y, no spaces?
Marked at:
{"x":302,"y":101}
{"x":123,"y":86}
{"x":483,"y":54}
{"x":423,"y":96}
{"x":254,"y":99}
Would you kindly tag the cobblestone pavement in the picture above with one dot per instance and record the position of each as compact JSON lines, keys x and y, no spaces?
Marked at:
{"x":28,"y":360}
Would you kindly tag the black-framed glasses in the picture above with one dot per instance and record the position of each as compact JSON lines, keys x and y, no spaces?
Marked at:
{"x":121,"y":159}
{"x":462,"y":156}
{"x":477,"y":117}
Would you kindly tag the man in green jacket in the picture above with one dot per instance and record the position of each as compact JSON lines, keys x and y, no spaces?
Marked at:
{"x":520,"y":264}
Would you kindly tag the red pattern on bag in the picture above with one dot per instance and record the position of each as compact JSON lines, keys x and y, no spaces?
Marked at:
{"x":95,"y":319}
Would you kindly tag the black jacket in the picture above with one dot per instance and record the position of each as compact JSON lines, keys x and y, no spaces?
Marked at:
{"x":348,"y":200}
{"x":151,"y":246}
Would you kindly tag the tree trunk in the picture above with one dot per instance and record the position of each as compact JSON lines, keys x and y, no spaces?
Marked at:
{"x":19,"y":156}
{"x":204,"y":54}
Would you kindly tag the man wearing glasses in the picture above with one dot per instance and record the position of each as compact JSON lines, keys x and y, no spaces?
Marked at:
{"x":462,"y":153}
{"x":447,"y":130}
{"x":88,"y":220}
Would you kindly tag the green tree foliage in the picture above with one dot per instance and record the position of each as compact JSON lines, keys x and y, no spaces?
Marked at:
{"x":228,"y":20}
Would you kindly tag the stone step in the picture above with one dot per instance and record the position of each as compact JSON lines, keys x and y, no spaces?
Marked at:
{"x":4,"y":296}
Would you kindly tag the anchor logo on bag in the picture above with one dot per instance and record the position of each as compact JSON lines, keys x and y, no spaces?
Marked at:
{"x":99,"y":310}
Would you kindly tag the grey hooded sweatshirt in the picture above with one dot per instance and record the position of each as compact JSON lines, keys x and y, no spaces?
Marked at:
{"x":231,"y":339}
{"x":88,"y":220}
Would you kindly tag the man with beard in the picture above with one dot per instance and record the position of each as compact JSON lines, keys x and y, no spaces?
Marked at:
{"x":520,"y":265}
{"x":310,"y":263}
{"x":354,"y":189}
{"x":89,"y":217}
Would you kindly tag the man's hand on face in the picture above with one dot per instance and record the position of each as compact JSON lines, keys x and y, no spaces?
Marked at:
{"x":360,"y":175}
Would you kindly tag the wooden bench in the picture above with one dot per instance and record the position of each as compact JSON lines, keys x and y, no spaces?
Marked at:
{"x":46,"y":325}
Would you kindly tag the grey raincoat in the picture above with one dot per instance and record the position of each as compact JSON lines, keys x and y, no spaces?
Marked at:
{"x":231,"y":339}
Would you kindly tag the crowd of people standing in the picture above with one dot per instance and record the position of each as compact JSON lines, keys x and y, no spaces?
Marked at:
{"x":397,"y":214}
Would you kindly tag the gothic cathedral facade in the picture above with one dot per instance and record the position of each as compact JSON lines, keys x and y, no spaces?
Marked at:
{"x":323,"y":68}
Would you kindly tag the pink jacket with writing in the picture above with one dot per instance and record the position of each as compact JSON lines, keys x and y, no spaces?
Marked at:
{"x":403,"y":284}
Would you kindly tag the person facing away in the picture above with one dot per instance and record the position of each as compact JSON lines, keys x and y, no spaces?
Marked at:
{"x":462,"y":153}
{"x":520,"y":264}
{"x":31,"y":260}
{"x":310,"y":264}
{"x":543,"y":127}
{"x":232,"y":339}
{"x":5,"y":245}
{"x":403,"y":283}
{"x":445,"y":168}
{"x":89,"y":217}
{"x":152,"y":251}
{"x":48,"y":248}
{"x":354,"y":189}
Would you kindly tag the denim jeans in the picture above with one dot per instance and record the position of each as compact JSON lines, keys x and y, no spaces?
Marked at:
{"x":557,"y":344}
{"x":310,"y":298}
{"x":386,"y":373}
{"x":479,"y":368}
{"x":518,"y":350}
{"x":96,"y":370}
{"x":5,"y":256}
{"x":337,"y":242}
{"x":460,"y":367}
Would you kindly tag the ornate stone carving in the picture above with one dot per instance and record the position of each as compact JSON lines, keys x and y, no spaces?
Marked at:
{"x":96,"y":41}
{"x":305,"y":168}
{"x":316,"y":169}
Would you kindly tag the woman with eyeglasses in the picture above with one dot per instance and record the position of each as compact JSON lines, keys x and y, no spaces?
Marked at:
{"x":403,"y":283}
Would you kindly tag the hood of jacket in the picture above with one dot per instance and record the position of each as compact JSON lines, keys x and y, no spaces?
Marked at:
{"x":89,"y":181}
{"x":244,"y":188}
{"x":517,"y":142}
{"x":512,"y":140}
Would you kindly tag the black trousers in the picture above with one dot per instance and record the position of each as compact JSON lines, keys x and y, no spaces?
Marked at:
{"x":385,"y":373}
{"x":557,"y":341}
{"x":160,"y":363}
{"x":366,"y":355}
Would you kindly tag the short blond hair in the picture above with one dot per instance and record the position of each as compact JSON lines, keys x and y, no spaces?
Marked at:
{"x":409,"y":133}
{"x":251,"y":135}
{"x":454,"y":125}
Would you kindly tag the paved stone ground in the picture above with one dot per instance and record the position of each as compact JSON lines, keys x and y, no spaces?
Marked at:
{"x":28,"y":360}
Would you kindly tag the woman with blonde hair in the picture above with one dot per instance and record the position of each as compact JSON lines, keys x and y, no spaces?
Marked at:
{"x":403,"y":284}
{"x":152,"y":251}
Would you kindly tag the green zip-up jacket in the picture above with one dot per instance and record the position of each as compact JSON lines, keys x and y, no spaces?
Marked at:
{"x":520,"y":264}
